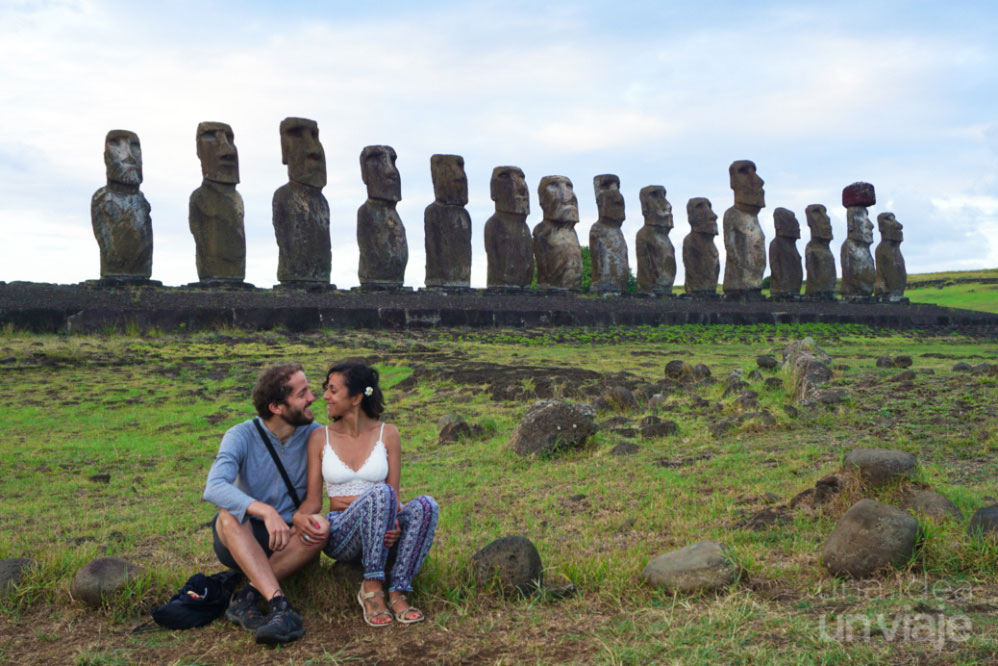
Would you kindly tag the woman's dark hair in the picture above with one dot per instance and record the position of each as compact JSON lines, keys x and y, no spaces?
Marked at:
{"x":358,"y":377}
{"x":273,"y":387}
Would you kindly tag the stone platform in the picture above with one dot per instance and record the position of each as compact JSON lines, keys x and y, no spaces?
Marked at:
{"x":51,"y":308}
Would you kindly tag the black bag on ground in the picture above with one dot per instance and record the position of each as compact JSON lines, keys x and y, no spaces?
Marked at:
{"x":199,"y":601}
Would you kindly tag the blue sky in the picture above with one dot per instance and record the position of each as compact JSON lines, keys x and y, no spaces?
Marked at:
{"x":898,"y":94}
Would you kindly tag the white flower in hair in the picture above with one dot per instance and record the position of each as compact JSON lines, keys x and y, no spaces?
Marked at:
{"x":369,"y":391}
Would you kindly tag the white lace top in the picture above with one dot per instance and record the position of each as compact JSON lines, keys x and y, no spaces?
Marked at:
{"x":342,"y":480}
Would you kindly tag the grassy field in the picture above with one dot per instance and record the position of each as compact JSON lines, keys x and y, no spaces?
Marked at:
{"x":149,"y":412}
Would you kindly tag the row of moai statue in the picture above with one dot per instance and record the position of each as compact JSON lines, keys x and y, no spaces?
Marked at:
{"x":123,"y":228}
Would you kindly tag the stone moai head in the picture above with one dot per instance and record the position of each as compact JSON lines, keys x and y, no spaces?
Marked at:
{"x":818,"y":220}
{"x":890,"y":228}
{"x":558,"y":200}
{"x":217,"y":152}
{"x":703,"y":219}
{"x":655,"y":208}
{"x":609,"y":200}
{"x":749,"y":195}
{"x":786,"y":223}
{"x":509,"y":190}
{"x":302,"y":152}
{"x":123,"y":158}
{"x":858,"y":225}
{"x":450,"y":183}
{"x":378,"y":171}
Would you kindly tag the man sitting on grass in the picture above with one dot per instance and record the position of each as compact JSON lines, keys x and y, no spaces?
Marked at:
{"x":253,"y":528}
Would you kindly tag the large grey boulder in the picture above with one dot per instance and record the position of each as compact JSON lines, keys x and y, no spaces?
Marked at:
{"x":870,"y":536}
{"x":880,"y":467}
{"x":984,"y":522}
{"x":12,"y":572}
{"x":513,"y":562}
{"x":98,"y":580}
{"x":933,"y":505}
{"x":702,"y":566}
{"x":798,"y":347}
{"x":808,"y":374}
{"x":552,"y":425}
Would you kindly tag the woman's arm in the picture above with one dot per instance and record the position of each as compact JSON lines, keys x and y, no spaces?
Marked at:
{"x":306,"y":517}
{"x":393,"y":446}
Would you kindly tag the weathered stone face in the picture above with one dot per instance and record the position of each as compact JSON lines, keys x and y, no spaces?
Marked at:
{"x":703,"y":219}
{"x":749,"y":195}
{"x":890,"y":228}
{"x":217,"y":151}
{"x":450,"y":184}
{"x":379,"y":173}
{"x":609,"y":200}
{"x":302,"y":152}
{"x":509,"y":190}
{"x":819,"y":222}
{"x":655,"y":208}
{"x":123,"y":158}
{"x":558,"y":200}
{"x":860,"y":229}
{"x":786,"y":223}
{"x":859,"y":194}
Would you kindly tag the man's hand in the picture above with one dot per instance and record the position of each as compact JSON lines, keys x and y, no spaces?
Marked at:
{"x":279,"y":531}
{"x":392,"y":535}
{"x":312,"y":528}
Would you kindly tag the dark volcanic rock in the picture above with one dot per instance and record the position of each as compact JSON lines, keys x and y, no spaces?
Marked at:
{"x":513,"y":562}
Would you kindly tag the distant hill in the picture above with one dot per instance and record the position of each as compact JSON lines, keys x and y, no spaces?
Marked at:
{"x":970,"y":290}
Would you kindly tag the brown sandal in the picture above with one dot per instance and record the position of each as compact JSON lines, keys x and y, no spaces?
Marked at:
{"x":400,"y":615}
{"x":362,"y":597}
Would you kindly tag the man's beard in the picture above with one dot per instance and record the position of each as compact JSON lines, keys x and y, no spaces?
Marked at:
{"x":297,"y":418}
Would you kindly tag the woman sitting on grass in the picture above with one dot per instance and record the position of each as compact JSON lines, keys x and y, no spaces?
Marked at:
{"x":358,"y":458}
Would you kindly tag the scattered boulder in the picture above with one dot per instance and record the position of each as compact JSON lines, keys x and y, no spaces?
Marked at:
{"x":828,"y":396}
{"x":774,"y":383}
{"x":615,"y":422}
{"x":551,"y":425}
{"x":824,"y":490}
{"x":931,"y":504}
{"x":658,"y":401}
{"x":625,"y":449}
{"x":722,"y":427}
{"x":906,"y":376}
{"x":12,"y":572}
{"x":962,"y":367}
{"x":868,"y":537}
{"x":880,"y":467}
{"x":808,"y":373}
{"x":98,"y":580}
{"x":755,"y":376}
{"x":680,"y":371}
{"x":100,"y":478}
{"x":662,"y":429}
{"x":454,"y":432}
{"x":767,"y":517}
{"x":885,"y":362}
{"x":805,"y":346}
{"x":766,"y":362}
{"x":512,"y":562}
{"x":620,"y":399}
{"x":649,"y":420}
{"x":762,"y":418}
{"x":733,"y":387}
{"x":984,"y":369}
{"x":747,"y":400}
{"x":902,"y":361}
{"x":984,"y":522}
{"x":791,"y":411}
{"x":701,"y":371}
{"x":700,"y":567}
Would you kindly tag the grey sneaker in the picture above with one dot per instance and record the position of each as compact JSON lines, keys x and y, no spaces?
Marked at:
{"x":283,"y":624}
{"x":244,"y":609}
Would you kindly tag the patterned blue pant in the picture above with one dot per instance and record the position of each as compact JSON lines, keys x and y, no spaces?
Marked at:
{"x":357,"y":534}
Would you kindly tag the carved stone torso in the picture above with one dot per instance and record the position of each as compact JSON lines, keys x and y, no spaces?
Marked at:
{"x":820,"y":264}
{"x":859,"y":273}
{"x":656,"y":260}
{"x":510,"y":251}
{"x":301,"y":224}
{"x":745,"y":251}
{"x":785,"y":267}
{"x":700,"y":260}
{"x":384,"y":251}
{"x":892,"y":276}
{"x":123,"y":228}
{"x":608,"y":252}
{"x":216,"y":221}
{"x":447,"y":234}
{"x":558,"y":255}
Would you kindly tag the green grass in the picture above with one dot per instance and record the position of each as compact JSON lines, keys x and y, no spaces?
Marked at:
{"x":149,"y":411}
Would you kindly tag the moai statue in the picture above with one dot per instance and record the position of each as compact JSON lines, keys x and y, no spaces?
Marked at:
{"x":700,"y":259}
{"x":784,"y":259}
{"x":508,"y":244}
{"x":607,"y":247}
{"x":447,"y":225}
{"x":858,"y":270}
{"x":818,"y":257}
{"x":744,"y":242}
{"x":120,"y":214}
{"x":216,"y":209}
{"x":891,"y":274}
{"x":556,"y":245}
{"x":656,"y":255}
{"x":301,"y":213}
{"x":384,"y":251}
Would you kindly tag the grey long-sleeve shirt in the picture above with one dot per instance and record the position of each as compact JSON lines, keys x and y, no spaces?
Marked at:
{"x":244,"y":472}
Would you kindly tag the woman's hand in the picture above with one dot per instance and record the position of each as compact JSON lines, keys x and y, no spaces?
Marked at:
{"x":392,"y":535}
{"x":312,"y":529}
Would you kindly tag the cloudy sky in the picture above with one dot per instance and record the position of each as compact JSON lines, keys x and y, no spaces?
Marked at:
{"x":901,"y":94}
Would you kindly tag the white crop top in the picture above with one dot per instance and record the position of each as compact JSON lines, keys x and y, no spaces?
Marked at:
{"x":342,"y":480}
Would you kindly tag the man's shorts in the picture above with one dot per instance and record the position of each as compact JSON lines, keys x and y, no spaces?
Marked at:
{"x":260,"y":533}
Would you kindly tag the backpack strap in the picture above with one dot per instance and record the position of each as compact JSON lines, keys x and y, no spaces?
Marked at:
{"x":277,"y":461}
